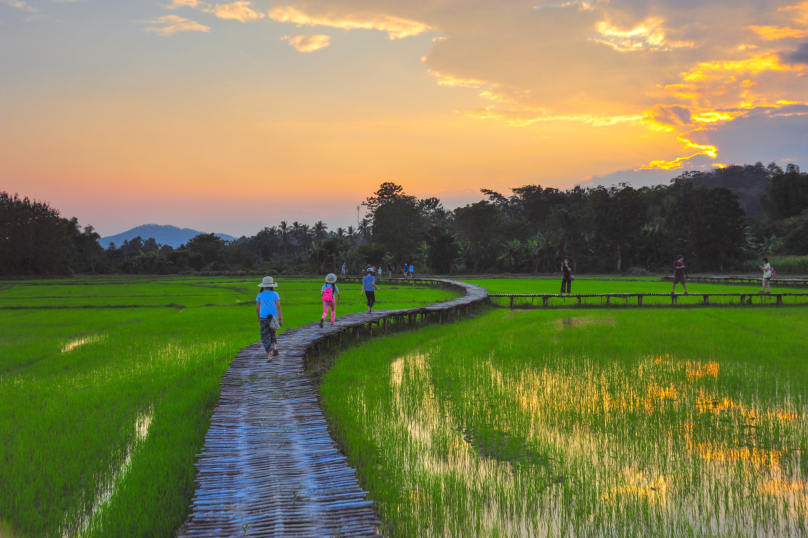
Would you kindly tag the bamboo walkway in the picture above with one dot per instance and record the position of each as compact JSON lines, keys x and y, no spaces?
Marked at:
{"x":797,"y":282}
{"x":605,"y":299}
{"x":269,"y":466}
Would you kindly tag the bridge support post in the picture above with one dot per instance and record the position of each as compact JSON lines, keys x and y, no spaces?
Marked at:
{"x":706,"y":299}
{"x":579,"y":300}
{"x":780,"y":300}
{"x":608,"y":300}
{"x":545,"y":301}
{"x":743,"y":300}
{"x":674,"y":299}
{"x":511,"y":302}
{"x":639,"y":300}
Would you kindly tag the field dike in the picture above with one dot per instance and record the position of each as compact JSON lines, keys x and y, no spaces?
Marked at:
{"x":269,"y":466}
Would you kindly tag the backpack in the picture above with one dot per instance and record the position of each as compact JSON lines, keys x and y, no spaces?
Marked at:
{"x":773,"y":271}
{"x":328,"y":294}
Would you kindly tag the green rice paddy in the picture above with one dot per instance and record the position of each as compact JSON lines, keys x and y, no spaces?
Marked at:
{"x":107,"y":387}
{"x":594,"y":422}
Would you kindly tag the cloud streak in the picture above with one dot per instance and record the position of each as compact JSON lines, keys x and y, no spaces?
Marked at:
{"x":169,"y":25}
{"x":307,"y":43}
{"x":395,"y":27}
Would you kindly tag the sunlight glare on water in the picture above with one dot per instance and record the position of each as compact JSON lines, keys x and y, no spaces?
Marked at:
{"x":579,"y":447}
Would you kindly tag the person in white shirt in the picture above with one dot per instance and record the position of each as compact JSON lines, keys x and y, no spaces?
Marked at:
{"x":767,"y":275}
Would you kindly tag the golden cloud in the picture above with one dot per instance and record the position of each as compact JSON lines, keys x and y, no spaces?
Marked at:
{"x":396,"y":28}
{"x":308,"y":43}
{"x":240,"y":11}
{"x":772,"y":33}
{"x":185,"y":3}
{"x":171,"y":24}
{"x":648,"y":35}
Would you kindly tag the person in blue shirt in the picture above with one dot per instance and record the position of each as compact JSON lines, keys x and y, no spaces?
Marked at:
{"x":268,"y":308}
{"x":368,"y":287}
{"x":412,"y":271}
{"x":343,"y":268}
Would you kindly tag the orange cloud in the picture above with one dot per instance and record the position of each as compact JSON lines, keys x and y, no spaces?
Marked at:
{"x":772,"y":33}
{"x":239,"y":11}
{"x":396,"y":28}
{"x":648,"y":35}
{"x":703,"y":149}
{"x":184,"y":3}
{"x":308,"y":43}
{"x":754,"y":65}
{"x":171,"y":24}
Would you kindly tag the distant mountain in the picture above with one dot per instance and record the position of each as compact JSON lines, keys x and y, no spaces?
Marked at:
{"x":749,"y":182}
{"x":165,"y":235}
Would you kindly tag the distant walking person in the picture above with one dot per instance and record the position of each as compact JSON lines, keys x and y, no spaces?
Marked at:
{"x":270,"y":317}
{"x":380,"y":271}
{"x":679,"y":274}
{"x":330,"y":296}
{"x":406,"y":270}
{"x":343,"y":269}
{"x":368,"y":288}
{"x":389,"y":270}
{"x":767,"y":275}
{"x":412,"y":271}
{"x":566,"y":281}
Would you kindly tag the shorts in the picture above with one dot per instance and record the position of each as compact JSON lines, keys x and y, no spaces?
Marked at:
{"x":678,"y":280}
{"x":268,"y":335}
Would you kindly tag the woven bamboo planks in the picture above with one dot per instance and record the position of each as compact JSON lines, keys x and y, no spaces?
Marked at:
{"x":269,"y":466}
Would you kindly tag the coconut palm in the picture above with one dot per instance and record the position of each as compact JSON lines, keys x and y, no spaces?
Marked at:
{"x":284,"y":237}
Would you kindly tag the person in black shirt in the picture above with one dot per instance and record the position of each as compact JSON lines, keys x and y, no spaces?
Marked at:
{"x":566,"y":282}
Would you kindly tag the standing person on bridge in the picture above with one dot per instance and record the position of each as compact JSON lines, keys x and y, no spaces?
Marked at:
{"x":330,"y":296}
{"x":412,"y":271}
{"x":679,"y":274}
{"x":343,"y":268}
{"x":767,"y":275}
{"x":389,"y":269}
{"x":368,"y":288}
{"x":268,"y":310}
{"x":566,"y":281}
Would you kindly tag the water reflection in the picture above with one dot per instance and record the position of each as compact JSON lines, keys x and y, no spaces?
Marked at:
{"x":579,"y":447}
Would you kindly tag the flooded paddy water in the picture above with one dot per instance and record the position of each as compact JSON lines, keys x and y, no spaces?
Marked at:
{"x":603,"y":424}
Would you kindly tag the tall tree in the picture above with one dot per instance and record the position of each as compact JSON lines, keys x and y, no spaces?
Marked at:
{"x":284,"y":228}
{"x":33,"y":237}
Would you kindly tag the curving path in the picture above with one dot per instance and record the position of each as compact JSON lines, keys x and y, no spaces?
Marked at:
{"x":269,"y":466}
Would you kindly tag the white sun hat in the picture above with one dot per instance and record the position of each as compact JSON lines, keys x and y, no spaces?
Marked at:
{"x":331,"y":278}
{"x":268,"y":282}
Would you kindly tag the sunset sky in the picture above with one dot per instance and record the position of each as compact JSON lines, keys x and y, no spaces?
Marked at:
{"x":228,"y":117}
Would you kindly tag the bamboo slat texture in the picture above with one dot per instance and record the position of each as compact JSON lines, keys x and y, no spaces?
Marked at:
{"x":269,"y":466}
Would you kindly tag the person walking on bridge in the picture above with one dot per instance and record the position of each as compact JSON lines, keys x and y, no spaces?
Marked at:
{"x":566,"y":281}
{"x":368,"y":288}
{"x":330,"y":296}
{"x":767,"y":276}
{"x":679,"y":274}
{"x":270,"y":317}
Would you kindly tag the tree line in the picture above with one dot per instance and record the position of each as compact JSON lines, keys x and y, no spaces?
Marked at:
{"x":599,"y":229}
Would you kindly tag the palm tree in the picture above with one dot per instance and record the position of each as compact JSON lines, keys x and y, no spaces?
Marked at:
{"x":304,"y":235}
{"x":365,"y":228}
{"x":295,"y":233}
{"x":351,"y":232}
{"x":284,"y":236}
{"x":340,"y":232}
{"x":320,"y":228}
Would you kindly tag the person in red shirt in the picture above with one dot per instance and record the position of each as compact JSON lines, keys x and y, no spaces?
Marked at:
{"x":679,"y":274}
